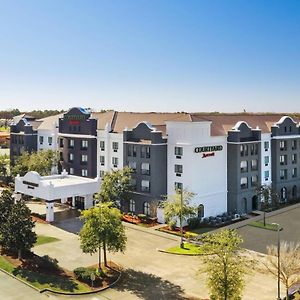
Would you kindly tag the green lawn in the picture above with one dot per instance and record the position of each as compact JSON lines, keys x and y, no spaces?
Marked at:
{"x":260,"y":224}
{"x":43,"y":281}
{"x":43,"y":239}
{"x":188,"y":249}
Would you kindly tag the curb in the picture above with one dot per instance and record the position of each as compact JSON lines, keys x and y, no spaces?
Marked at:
{"x":63,"y":293}
{"x":83,"y":293}
{"x":181,"y":254}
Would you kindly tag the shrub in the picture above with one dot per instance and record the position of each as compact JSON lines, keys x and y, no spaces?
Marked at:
{"x":84,"y":274}
{"x":172,"y":224}
{"x":193,"y":223}
{"x":142,"y":217}
{"x":49,"y":263}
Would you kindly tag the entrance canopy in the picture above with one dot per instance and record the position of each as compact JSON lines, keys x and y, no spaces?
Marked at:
{"x":55,"y":187}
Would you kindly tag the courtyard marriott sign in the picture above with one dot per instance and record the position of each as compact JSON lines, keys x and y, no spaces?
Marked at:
{"x":208,"y":150}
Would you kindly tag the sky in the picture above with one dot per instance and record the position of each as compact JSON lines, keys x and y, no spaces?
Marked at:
{"x":154,"y":55}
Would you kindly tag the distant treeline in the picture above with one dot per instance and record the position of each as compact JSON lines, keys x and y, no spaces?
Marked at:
{"x":39,"y":114}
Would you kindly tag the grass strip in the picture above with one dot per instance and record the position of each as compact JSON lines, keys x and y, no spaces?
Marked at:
{"x":43,"y":239}
{"x":260,"y":224}
{"x":189,"y":249}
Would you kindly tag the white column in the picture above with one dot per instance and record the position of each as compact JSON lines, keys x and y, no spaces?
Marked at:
{"x":49,"y":211}
{"x":88,"y":201}
{"x":73,"y":201}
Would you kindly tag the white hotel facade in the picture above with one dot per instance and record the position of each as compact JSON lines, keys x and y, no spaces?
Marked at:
{"x":221,"y":158}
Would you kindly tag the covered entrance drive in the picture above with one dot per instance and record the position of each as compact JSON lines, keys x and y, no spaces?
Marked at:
{"x":75,"y":190}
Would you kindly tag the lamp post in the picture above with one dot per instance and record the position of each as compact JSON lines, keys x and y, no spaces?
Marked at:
{"x":181,"y":227}
{"x":278,"y":259}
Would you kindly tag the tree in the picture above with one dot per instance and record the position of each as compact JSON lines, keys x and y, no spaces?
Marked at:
{"x":41,"y":162}
{"x":172,"y":206}
{"x":17,"y":232}
{"x":115,"y":186}
{"x":4,"y":168}
{"x":269,"y":199}
{"x":224,"y":265}
{"x":102,"y":229}
{"x":289,"y":263}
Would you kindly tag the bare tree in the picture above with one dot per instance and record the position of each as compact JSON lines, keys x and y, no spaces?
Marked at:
{"x":289,"y":265}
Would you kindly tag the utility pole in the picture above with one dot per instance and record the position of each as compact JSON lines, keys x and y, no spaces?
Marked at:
{"x":278,"y":260}
{"x":181,"y":221}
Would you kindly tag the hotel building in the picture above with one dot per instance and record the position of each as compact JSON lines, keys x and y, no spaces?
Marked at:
{"x":221,"y":158}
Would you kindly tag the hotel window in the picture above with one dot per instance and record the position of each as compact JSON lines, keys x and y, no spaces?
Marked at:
{"x":102,"y":160}
{"x":132,"y":165}
{"x":145,"y":168}
{"x":294,"y":172}
{"x":129,"y":150}
{"x":134,"y":150}
{"x":84,"y":172}
{"x":282,"y":145}
{"x":102,"y":145}
{"x":178,"y":186}
{"x":254,"y":149}
{"x":115,"y":146}
{"x":50,"y":140}
{"x":267,"y":160}
{"x":101,"y":174}
{"x":71,"y":143}
{"x":178,"y":170}
{"x":115,"y":162}
{"x":145,"y":152}
{"x":41,"y":139}
{"x":84,"y":158}
{"x":266,"y":146}
{"x":283,"y":174}
{"x":244,"y":183}
{"x":283,"y":159}
{"x":294,"y":144}
{"x":244,"y":166}
{"x":145,"y":186}
{"x":61,"y":142}
{"x":244,"y":150}
{"x":146,"y":208}
{"x":71,"y":157}
{"x":254,"y":180}
{"x":267,"y":175}
{"x":294,"y":158}
{"x":84,"y":144}
{"x":133,"y":183}
{"x":132,"y":205}
{"x":71,"y":171}
{"x":254,"y":165}
{"x":178,"y":152}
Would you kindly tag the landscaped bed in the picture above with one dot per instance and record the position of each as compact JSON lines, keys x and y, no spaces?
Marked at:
{"x":188,"y":249}
{"x":44,"y":273}
{"x":140,"y":219}
{"x":186,"y":231}
{"x":267,"y":226}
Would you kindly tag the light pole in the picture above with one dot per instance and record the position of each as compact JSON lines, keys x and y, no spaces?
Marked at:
{"x":181,"y":227}
{"x":278,"y":259}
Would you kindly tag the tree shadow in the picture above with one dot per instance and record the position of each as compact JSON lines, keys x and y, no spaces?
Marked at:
{"x":62,"y":282}
{"x":149,"y":286}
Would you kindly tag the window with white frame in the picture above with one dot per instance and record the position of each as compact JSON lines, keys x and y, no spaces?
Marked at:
{"x":254,"y":180}
{"x":71,"y":157}
{"x":294,"y":144}
{"x":254,"y":165}
{"x":71,"y":171}
{"x":102,"y":160}
{"x":283,"y":174}
{"x":41,"y":140}
{"x":84,"y":172}
{"x":244,"y":183}
{"x":146,"y":208}
{"x":132,"y":165}
{"x":266,"y":145}
{"x":132,"y":205}
{"x":283,"y":159}
{"x":71,"y":143}
{"x":145,"y":186}
{"x":282,"y":145}
{"x":294,"y":172}
{"x":101,"y":173}
{"x":145,"y":169}
{"x":178,"y":169}
{"x":115,"y":146}
{"x":84,"y":158}
{"x":267,"y":160}
{"x":178,"y":186}
{"x":267,"y":175}
{"x":115,"y":161}
{"x":50,"y":140}
{"x":84,"y":144}
{"x":178,"y":151}
{"x":244,"y":166}
{"x":294,"y":158}
{"x":102,"y":145}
